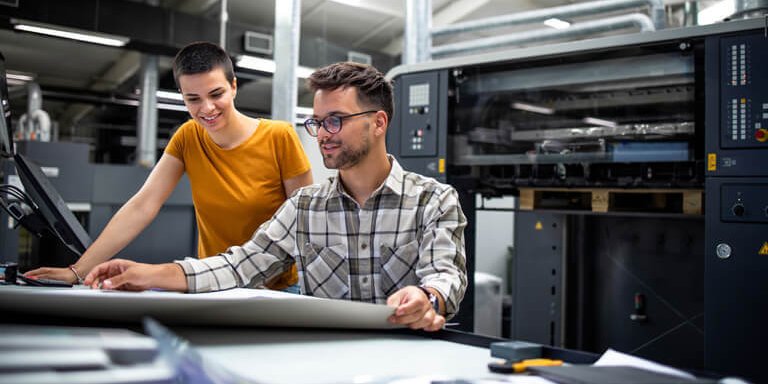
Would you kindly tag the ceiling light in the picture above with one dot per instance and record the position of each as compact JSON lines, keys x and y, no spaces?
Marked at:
{"x":256,"y":63}
{"x":599,"y":122}
{"x":267,"y":65}
{"x":69,"y":33}
{"x":716,"y":12}
{"x":171,"y":107}
{"x":533,"y":108}
{"x":304,"y":111}
{"x":557,"y":23}
{"x":21,"y":77}
{"x":304,"y":72}
{"x":171,"y":95}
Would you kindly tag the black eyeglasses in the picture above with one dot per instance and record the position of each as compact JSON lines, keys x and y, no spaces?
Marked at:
{"x":332,"y":124}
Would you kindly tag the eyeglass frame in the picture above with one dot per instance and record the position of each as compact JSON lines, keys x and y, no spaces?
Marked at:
{"x":322,"y":124}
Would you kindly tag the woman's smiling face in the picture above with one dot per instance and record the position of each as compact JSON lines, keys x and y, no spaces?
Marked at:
{"x":209,"y":98}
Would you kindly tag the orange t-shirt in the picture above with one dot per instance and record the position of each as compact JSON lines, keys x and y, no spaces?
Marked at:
{"x":236,"y":190}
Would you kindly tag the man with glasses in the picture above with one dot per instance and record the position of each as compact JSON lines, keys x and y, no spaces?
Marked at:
{"x":374,"y":233}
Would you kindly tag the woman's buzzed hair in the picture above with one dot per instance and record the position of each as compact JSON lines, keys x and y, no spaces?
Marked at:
{"x":373,"y":88}
{"x":201,"y":57}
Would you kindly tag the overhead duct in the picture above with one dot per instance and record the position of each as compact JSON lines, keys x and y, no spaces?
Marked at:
{"x":657,"y":15}
{"x":746,"y":9}
{"x":638,"y":20}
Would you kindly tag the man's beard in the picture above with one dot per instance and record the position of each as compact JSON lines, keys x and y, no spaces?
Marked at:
{"x":348,"y":157}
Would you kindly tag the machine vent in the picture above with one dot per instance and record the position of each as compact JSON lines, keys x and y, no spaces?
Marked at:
{"x":359,"y":57}
{"x":258,"y":43}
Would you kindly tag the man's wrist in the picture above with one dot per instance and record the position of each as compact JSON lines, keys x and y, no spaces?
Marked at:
{"x":432,"y":297}
{"x":178,"y":276}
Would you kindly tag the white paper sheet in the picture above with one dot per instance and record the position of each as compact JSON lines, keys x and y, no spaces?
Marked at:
{"x":616,"y":358}
{"x":250,"y":307}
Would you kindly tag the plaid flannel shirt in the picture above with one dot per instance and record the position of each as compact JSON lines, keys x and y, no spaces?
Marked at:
{"x":409,"y":232}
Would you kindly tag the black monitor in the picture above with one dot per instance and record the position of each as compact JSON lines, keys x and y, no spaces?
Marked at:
{"x":39,"y":208}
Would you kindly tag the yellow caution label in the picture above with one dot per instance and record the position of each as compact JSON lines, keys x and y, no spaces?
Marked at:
{"x":539,"y":226}
{"x":764,"y":249}
{"x":441,"y":165}
{"x":712,"y":162}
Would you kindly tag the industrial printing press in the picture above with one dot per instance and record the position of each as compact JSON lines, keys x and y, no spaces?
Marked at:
{"x":642,"y":206}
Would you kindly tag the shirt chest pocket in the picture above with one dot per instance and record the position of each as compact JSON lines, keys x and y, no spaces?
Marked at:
{"x":325,"y":271}
{"x":398,"y":266}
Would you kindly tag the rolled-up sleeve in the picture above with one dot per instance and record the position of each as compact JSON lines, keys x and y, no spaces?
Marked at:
{"x":442,"y":260}
{"x":267,"y":254}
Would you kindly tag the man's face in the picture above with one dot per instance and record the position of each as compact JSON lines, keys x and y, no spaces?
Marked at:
{"x":346,"y":148}
{"x":209,"y":98}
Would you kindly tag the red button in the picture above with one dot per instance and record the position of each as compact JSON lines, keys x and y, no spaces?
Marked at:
{"x":761,"y":135}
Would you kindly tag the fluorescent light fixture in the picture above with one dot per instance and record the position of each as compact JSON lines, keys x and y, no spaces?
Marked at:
{"x":69,"y":33}
{"x":170,"y":95}
{"x":533,"y":108}
{"x":267,"y":65}
{"x":20,"y":77}
{"x":304,"y":72}
{"x":304,"y":111}
{"x":171,"y":107}
{"x":599,"y":122}
{"x":557,"y":23}
{"x":256,"y":63}
{"x":716,"y":12}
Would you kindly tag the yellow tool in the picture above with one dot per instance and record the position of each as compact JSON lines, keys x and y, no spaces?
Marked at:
{"x":522,"y":365}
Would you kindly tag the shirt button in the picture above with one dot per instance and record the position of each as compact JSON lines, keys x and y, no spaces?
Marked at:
{"x":365,"y":279}
{"x":364,"y":246}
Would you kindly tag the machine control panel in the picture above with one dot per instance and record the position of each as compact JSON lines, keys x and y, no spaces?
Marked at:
{"x":744,"y":203}
{"x":744,"y":104}
{"x":419,"y":119}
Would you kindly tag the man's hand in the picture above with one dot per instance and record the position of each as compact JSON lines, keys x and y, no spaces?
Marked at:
{"x":412,"y":308}
{"x":62,"y":274}
{"x":129,"y":275}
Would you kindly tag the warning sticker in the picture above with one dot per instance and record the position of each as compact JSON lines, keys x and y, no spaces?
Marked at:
{"x":712,"y":162}
{"x":539,"y":226}
{"x":764,"y":249}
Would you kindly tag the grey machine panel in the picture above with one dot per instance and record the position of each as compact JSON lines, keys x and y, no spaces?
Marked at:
{"x":171,"y":235}
{"x":537,"y":276}
{"x":417,"y":135}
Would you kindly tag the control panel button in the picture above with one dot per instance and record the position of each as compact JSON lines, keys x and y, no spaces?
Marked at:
{"x":738,"y":209}
{"x":723,"y":250}
{"x":761,"y":135}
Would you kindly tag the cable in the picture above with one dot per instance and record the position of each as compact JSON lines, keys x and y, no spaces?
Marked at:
{"x":18,"y":193}
{"x":27,"y":213}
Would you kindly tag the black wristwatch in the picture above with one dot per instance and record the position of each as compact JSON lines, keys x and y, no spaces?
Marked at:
{"x":432,"y":298}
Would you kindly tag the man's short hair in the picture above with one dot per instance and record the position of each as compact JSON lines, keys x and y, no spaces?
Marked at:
{"x":373,"y":89}
{"x":201,"y":57}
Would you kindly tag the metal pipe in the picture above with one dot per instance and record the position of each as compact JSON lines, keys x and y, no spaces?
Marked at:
{"x":581,"y":29}
{"x":286,"y":56}
{"x":146,"y":150}
{"x":223,"y":25}
{"x":417,"y":40}
{"x":657,"y":12}
{"x":691,"y":11}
